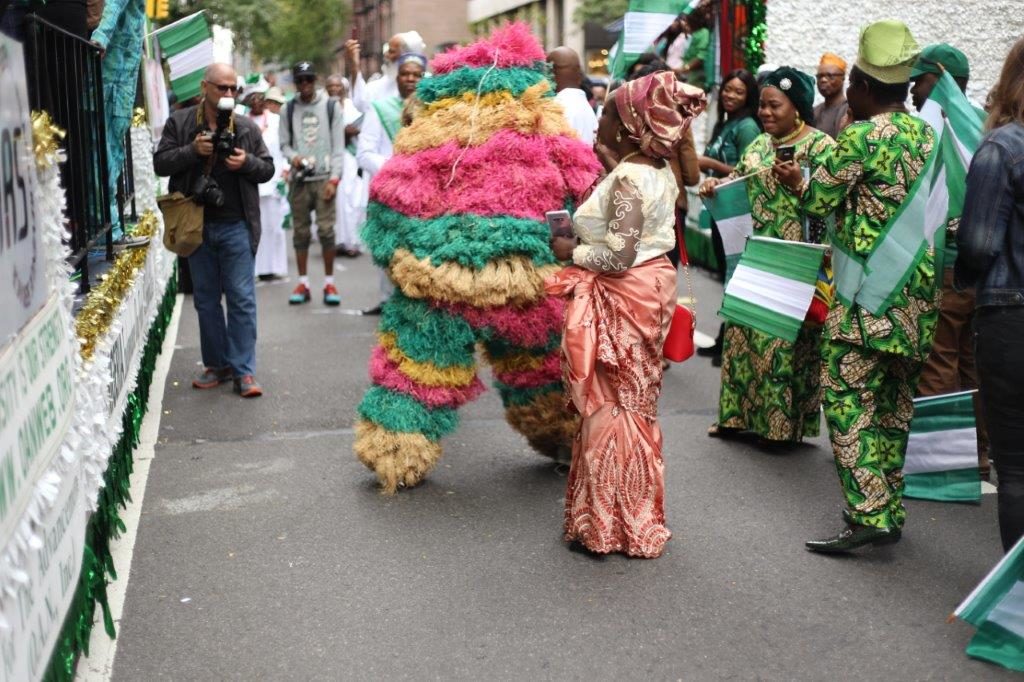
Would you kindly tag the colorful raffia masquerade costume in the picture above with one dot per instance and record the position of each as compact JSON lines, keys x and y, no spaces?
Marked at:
{"x":457,"y":218}
{"x":621,"y":294}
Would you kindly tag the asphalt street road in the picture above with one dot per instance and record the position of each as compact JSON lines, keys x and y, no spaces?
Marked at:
{"x":265,"y":551}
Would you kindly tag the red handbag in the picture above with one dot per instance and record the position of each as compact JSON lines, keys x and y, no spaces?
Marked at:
{"x":679,"y":340}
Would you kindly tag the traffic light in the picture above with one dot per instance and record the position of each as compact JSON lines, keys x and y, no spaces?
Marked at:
{"x":157,"y":9}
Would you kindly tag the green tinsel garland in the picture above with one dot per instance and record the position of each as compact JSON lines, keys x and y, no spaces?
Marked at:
{"x":106,"y":523}
{"x":467,"y":79}
{"x":753,"y":44}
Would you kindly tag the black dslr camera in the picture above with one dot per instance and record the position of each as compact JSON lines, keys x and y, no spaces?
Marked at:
{"x":206,"y":191}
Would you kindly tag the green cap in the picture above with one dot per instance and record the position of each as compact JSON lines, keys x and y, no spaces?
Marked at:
{"x":887,"y":50}
{"x":935,"y":58}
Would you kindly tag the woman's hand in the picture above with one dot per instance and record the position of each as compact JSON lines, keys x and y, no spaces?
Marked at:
{"x":563,"y":246}
{"x":789,"y":174}
{"x":707,"y":188}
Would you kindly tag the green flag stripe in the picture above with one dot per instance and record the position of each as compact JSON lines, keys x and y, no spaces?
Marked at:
{"x":976,"y":607}
{"x":730,"y":200}
{"x":791,"y":260}
{"x":187,"y":86}
{"x":957,"y":485}
{"x":998,"y":645}
{"x":748,"y":314}
{"x":180,"y":37}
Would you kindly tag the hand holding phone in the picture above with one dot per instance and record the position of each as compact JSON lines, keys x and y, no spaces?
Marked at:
{"x":560,"y":223}
{"x":787,"y":153}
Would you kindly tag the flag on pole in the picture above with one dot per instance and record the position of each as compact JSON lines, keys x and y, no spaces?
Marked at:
{"x":644,"y":21}
{"x":942,"y":454}
{"x":959,"y":127}
{"x":773,"y":285}
{"x":996,"y":609}
{"x":730,"y":207}
{"x":187,"y":44}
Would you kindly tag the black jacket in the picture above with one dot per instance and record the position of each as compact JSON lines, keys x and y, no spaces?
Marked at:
{"x":175,"y":156}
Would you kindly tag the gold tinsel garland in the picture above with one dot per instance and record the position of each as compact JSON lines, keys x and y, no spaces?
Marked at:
{"x":139,"y":118}
{"x":46,"y":138}
{"x":103,"y":302}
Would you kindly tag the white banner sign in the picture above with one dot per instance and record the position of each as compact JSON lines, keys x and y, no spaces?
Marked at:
{"x":35,"y":615}
{"x":22,"y":262}
{"x":36,"y":405}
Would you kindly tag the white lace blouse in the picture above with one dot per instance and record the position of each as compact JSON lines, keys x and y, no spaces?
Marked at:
{"x":612,"y":236}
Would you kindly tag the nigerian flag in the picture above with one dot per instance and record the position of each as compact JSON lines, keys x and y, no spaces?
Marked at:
{"x":644,"y":21}
{"x":187,"y":44}
{"x":958,"y":126}
{"x":996,"y":609}
{"x":730,"y":207}
{"x":773,"y":285}
{"x":942,"y":453}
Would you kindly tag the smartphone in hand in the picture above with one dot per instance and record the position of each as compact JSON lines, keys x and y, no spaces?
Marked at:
{"x":560,"y":223}
{"x":787,"y":153}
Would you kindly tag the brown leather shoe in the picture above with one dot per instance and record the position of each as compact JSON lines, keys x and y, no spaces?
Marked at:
{"x":247,"y":387}
{"x":211,"y":378}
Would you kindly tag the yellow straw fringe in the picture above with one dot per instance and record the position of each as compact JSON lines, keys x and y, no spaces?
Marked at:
{"x":398,"y":459}
{"x":425,"y":373}
{"x":452,"y":119}
{"x":513,"y":280}
{"x":546,"y":422}
{"x":520,"y":362}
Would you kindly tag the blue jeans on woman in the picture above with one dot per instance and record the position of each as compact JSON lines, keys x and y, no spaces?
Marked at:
{"x":224,"y":264}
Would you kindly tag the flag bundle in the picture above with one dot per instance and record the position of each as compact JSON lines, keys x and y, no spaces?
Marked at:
{"x":773,"y":285}
{"x":644,"y":21}
{"x":187,"y":44}
{"x":996,"y":609}
{"x":730,"y":207}
{"x":942,"y":454}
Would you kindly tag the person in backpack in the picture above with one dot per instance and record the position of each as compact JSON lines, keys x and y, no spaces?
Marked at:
{"x":313,"y":142}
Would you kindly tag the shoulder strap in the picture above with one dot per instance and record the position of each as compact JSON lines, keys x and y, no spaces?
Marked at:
{"x":289,"y":111}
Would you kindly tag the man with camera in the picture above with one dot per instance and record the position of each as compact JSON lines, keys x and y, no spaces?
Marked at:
{"x":313,"y":142}
{"x":219,"y":160}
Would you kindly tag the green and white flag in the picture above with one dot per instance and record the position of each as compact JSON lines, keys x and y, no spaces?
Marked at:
{"x":996,"y":609}
{"x":730,"y":207}
{"x":644,"y":21}
{"x":959,"y":127}
{"x":187,"y":45}
{"x":773,"y":285}
{"x":942,"y":453}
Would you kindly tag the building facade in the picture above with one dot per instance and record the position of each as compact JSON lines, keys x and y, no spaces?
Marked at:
{"x":375,"y":21}
{"x":799,"y":31}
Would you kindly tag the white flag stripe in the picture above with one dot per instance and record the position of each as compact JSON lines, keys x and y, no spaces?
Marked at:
{"x":641,"y":28}
{"x":734,"y":233}
{"x":937,"y":208}
{"x":941,"y":451}
{"x":770,"y":291}
{"x":197,"y":57}
{"x":1009,"y":612}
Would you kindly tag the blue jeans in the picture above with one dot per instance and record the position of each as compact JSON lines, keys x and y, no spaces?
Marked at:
{"x":223,"y":264}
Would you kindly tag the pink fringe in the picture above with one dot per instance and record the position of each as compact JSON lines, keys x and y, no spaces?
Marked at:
{"x":384,"y":372}
{"x":514,"y":44}
{"x":510,"y":174}
{"x":528,"y":327}
{"x":547,"y":373}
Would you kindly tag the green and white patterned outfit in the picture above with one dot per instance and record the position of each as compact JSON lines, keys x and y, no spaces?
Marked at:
{"x":771,"y":386}
{"x":872,"y":363}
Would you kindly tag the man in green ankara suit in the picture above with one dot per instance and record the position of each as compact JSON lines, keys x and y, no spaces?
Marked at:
{"x":879,"y":331}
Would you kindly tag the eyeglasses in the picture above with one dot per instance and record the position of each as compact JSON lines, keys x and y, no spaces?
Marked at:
{"x":305,"y":79}
{"x":223,"y":88}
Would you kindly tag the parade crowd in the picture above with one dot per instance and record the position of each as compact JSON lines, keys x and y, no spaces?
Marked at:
{"x":447,"y":171}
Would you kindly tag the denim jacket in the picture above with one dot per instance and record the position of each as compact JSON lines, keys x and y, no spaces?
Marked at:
{"x":991,"y":235}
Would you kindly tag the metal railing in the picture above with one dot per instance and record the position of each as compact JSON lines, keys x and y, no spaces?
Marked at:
{"x":65,"y":79}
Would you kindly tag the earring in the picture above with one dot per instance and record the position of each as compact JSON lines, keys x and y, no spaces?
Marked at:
{"x":618,"y":135}
{"x":798,"y":122}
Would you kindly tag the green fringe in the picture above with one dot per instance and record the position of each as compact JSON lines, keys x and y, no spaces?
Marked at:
{"x":469,"y":240}
{"x":467,"y":79}
{"x":428,"y":334}
{"x":499,"y":347}
{"x":524,"y":396}
{"x":402,"y":413}
{"x":106,"y":523}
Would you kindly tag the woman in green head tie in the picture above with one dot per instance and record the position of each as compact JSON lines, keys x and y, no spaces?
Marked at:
{"x":771,"y":386}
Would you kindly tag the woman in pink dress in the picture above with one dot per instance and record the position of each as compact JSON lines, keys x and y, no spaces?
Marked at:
{"x":621,"y":294}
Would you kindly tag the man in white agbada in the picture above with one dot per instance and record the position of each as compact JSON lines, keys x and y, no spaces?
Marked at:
{"x":384,"y":83}
{"x":568,"y":73}
{"x":354,"y":192}
{"x":381,"y":124}
{"x":272,"y":253}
